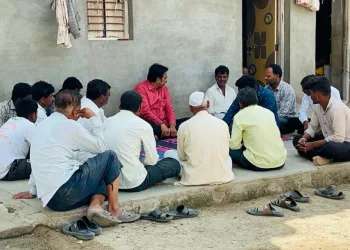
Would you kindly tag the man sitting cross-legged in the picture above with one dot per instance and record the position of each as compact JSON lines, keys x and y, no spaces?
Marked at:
{"x":70,"y":167}
{"x":203,"y":146}
{"x":262,"y":147}
{"x":125,"y":134}
{"x":15,"y":138}
{"x":328,"y":135}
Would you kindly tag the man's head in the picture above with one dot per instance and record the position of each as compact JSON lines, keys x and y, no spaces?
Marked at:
{"x":247,"y":97}
{"x":68,"y":103}
{"x":320,"y":89}
{"x":21,"y":90}
{"x":72,"y":83}
{"x":245,"y":70}
{"x":198,"y":102}
{"x":27,"y":108}
{"x":157,"y":75}
{"x":99,"y":92}
{"x":42,"y":93}
{"x":131,"y":101}
{"x":273,"y":75}
{"x":305,"y":83}
{"x":246,"y":81}
{"x":221,"y":75}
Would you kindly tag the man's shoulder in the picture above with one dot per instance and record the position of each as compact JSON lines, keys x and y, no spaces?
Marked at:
{"x":5,"y":103}
{"x":142,"y":84}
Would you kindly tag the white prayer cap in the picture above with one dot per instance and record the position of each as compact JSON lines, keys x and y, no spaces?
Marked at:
{"x":196,"y":99}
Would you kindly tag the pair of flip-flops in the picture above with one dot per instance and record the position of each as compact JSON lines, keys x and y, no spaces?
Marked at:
{"x":82,"y":229}
{"x":181,"y":212}
{"x":287,"y":201}
{"x":331,"y":193}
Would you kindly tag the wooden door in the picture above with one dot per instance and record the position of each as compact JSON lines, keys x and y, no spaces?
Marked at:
{"x":260,"y":36}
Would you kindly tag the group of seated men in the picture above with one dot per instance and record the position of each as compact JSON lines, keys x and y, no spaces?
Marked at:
{"x":76,"y":156}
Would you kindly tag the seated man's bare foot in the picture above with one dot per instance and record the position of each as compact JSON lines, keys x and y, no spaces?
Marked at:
{"x":95,"y":208}
{"x":320,"y":161}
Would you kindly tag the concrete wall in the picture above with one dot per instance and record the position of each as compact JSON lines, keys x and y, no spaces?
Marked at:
{"x":190,"y":37}
{"x":300,"y":47}
{"x":337,"y":44}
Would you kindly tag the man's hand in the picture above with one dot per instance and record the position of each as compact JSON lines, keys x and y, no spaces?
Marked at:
{"x":306,"y":125}
{"x":301,"y":144}
{"x":173,"y":130}
{"x":165,"y":130}
{"x":23,"y":195}
{"x":86,"y":113}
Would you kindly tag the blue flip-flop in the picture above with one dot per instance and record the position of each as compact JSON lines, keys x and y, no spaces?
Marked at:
{"x":78,"y":229}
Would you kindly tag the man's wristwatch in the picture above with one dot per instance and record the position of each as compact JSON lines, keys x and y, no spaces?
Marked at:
{"x":33,"y":195}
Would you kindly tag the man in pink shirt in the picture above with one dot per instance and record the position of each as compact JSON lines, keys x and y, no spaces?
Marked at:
{"x":157,"y":108}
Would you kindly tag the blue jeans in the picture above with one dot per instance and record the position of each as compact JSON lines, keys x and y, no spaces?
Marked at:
{"x":239,"y":159}
{"x":90,"y":179}
{"x":163,"y":170}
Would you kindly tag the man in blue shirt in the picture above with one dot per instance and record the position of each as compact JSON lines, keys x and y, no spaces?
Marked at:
{"x":266,"y":98}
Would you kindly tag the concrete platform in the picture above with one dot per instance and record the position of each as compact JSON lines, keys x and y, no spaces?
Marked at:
{"x":22,"y":216}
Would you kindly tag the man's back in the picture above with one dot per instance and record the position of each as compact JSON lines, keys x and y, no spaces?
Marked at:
{"x":15,"y":139}
{"x":59,"y":147}
{"x":203,"y":145}
{"x":261,"y":137}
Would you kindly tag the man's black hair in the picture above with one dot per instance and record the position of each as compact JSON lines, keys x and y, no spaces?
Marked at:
{"x":42,"y":89}
{"x":21,"y":90}
{"x":25,"y":107}
{"x":131,"y":101}
{"x":156,"y":71}
{"x":96,"y":88}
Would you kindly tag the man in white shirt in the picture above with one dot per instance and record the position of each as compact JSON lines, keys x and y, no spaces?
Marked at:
{"x":43,"y":94}
{"x":220,"y":95}
{"x":15,"y":138}
{"x":328,"y":135}
{"x":70,"y":167}
{"x":203,"y":146}
{"x":125,"y":134}
{"x":307,"y":102}
{"x":97,"y":96}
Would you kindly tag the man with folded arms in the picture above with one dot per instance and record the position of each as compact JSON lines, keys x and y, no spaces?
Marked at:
{"x":70,"y":167}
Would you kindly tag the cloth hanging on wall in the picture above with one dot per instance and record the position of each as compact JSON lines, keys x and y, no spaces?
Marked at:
{"x":68,"y":20}
{"x":313,"y":5}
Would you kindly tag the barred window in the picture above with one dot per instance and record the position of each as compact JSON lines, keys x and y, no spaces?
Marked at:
{"x":108,"y":19}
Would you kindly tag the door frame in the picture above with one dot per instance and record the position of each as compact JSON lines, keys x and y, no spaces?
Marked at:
{"x":280,"y":33}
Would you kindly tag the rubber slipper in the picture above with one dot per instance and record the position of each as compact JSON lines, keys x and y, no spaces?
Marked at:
{"x":127,"y":217}
{"x":79,"y":230}
{"x":330,"y":192}
{"x":103,"y":219}
{"x":181,"y":212}
{"x":297,"y":196}
{"x":157,"y":216}
{"x":287,"y":202}
{"x":268,"y":210}
{"x":92,"y":226}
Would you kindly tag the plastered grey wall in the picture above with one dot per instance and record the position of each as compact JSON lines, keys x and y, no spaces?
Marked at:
{"x":191,"y":37}
{"x":300,"y":47}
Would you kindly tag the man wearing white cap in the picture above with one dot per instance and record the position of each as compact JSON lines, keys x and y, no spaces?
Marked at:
{"x":203,"y":146}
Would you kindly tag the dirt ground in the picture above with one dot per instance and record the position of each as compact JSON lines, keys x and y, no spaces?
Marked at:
{"x":321,"y":224}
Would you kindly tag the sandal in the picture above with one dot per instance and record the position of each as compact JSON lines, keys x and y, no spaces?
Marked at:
{"x":297,"y":196}
{"x":78,"y":229}
{"x":287,"y":202}
{"x":127,"y":217}
{"x":104,"y":219}
{"x":330,"y":192}
{"x":181,"y":212}
{"x":157,"y":216}
{"x":92,"y":226}
{"x":268,"y":210}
